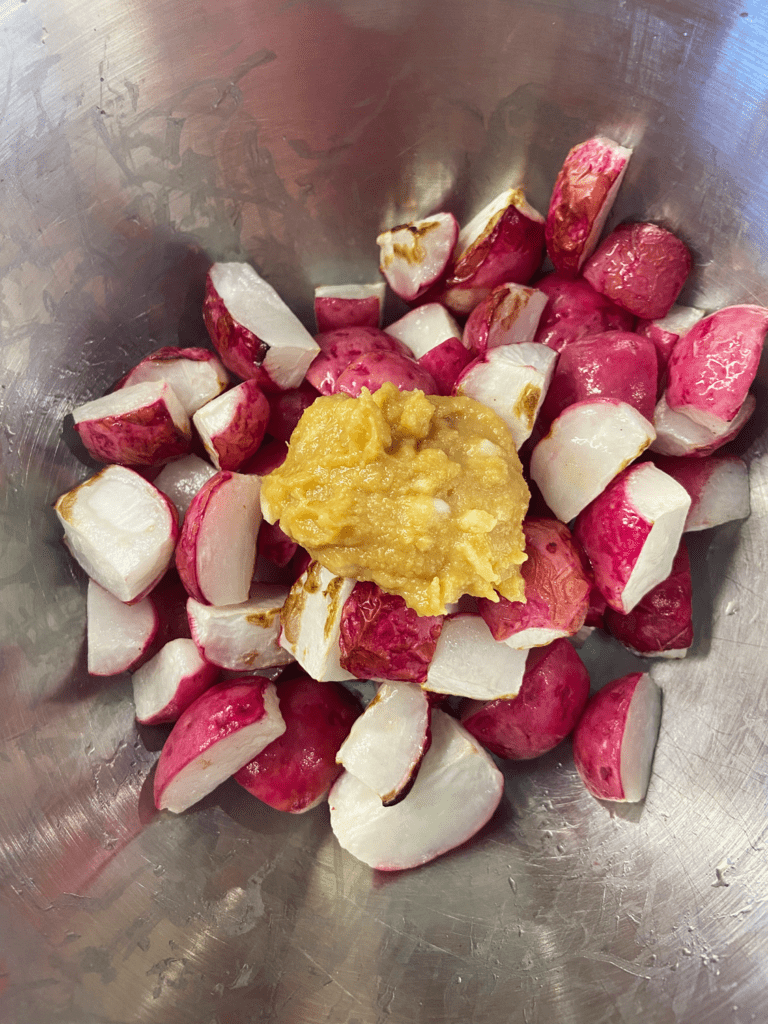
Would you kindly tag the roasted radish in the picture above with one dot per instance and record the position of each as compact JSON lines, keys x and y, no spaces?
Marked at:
{"x":181,"y":479}
{"x":575,"y":310}
{"x":341,"y":347}
{"x":718,"y":487}
{"x":311,"y":622}
{"x":509,"y":315}
{"x":195,"y":374}
{"x":678,"y":434}
{"x":414,"y":256}
{"x":468,"y":662}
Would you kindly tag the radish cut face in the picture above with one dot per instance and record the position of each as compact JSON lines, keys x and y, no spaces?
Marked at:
{"x":181,"y":479}
{"x":244,"y":636}
{"x":718,"y":486}
{"x":468,"y":662}
{"x":456,"y":791}
{"x":195,"y":374}
{"x":232,"y":426}
{"x":311,"y":622}
{"x":678,"y":434}
{"x":508,"y":316}
{"x":414,"y":255}
{"x":119,"y":635}
{"x":171,"y":681}
{"x":641,"y":731}
{"x":424,"y":328}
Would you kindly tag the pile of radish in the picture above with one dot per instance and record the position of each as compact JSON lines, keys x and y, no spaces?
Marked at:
{"x":616,"y":399}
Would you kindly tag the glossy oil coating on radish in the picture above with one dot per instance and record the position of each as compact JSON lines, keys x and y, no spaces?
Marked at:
{"x":509,"y":315}
{"x":119,"y":636}
{"x":311,"y":622}
{"x":413,"y":256}
{"x":468,"y":662}
{"x":641,"y":267}
{"x":718,"y":487}
{"x":553,"y":694}
{"x":348,"y":305}
{"x":195,"y":374}
{"x":615,"y":738}
{"x":217,"y":547}
{"x":584,"y":192}
{"x":664,"y":333}
{"x":121,"y":530}
{"x":631,"y":533}
{"x":241,"y":637}
{"x":456,"y":791}
{"x":295,"y":772}
{"x":678,"y":434}
{"x":220,"y":732}
{"x":558,"y":583}
{"x":252,"y":329}
{"x":171,"y":681}
{"x":341,"y":347}
{"x":373,"y":369}
{"x":445,"y":364}
{"x":142,"y":425}
{"x":181,"y":479}
{"x":587,"y":445}
{"x":575,"y":310}
{"x":713,"y":365}
{"x":386,"y":745}
{"x":233,"y":425}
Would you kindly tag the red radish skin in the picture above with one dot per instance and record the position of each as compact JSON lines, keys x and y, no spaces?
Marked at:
{"x":376,"y":368}
{"x":296,"y":771}
{"x":349,"y":305}
{"x":509,"y":315}
{"x":233,"y":425}
{"x":240,"y":350}
{"x":181,"y":479}
{"x":341,"y":347}
{"x":119,"y":635}
{"x":170,"y":682}
{"x":614,"y":740}
{"x":220,"y":732}
{"x":414,"y":256}
{"x":664,"y":333}
{"x":195,"y":374}
{"x":270,"y":456}
{"x":286,"y":409}
{"x":641,"y":267}
{"x":582,"y":199}
{"x":445,"y":364}
{"x":275,"y":545}
{"x":575,"y":310}
{"x":551,"y":700}
{"x":425,"y":328}
{"x":718,"y":487}
{"x":678,"y":434}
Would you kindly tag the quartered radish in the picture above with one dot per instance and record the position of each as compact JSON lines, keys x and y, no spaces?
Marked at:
{"x":425,"y":328}
{"x":664,"y":333}
{"x":195,"y":374}
{"x":509,"y":315}
{"x":413,"y":256}
{"x":121,"y":530}
{"x":243,"y":636}
{"x":233,"y":425}
{"x":119,"y":636}
{"x":168,"y":683}
{"x":678,"y":434}
{"x":468,"y":662}
{"x":181,"y":479}
{"x":311,"y":622}
{"x":575,"y":310}
{"x":341,"y":347}
{"x":718,"y":487}
{"x":349,"y":305}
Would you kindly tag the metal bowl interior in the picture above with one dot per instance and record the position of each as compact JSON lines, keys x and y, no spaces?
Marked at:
{"x":142,"y":141}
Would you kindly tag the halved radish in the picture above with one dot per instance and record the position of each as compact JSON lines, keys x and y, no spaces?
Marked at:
{"x":386,"y":745}
{"x":252,"y":329}
{"x":614,"y":741}
{"x":170,"y":682}
{"x":665,"y":332}
{"x":456,"y":791}
{"x":119,"y":635}
{"x":311,"y":622}
{"x":181,"y":479}
{"x":195,"y":374}
{"x":348,"y":305}
{"x":223,"y":730}
{"x":233,"y":425}
{"x":575,"y":310}
{"x":424,"y":328}
{"x":295,"y":772}
{"x":143,"y":425}
{"x":241,"y":637}
{"x":468,"y":662}
{"x":341,"y":347}
{"x":121,"y":530}
{"x":509,"y":315}
{"x":587,"y":445}
{"x":286,"y":409}
{"x":717,"y":485}
{"x":678,"y":434}
{"x":217,"y":548}
{"x":414,"y":255}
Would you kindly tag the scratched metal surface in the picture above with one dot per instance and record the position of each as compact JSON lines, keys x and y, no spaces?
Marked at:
{"x":139,"y":141}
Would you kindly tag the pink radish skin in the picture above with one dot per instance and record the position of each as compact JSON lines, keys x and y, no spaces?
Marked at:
{"x":660,"y":625}
{"x":631,"y":533}
{"x":241,"y":637}
{"x":275,"y":545}
{"x":181,"y":479}
{"x":144,"y":425}
{"x":615,"y":738}
{"x":286,"y":409}
{"x":641,"y":267}
{"x":220,"y":732}
{"x":233,"y":425}
{"x":171,"y":681}
{"x":582,"y":198}
{"x":296,"y":771}
{"x":552,"y":697}
{"x":445,"y":364}
{"x":557,"y":587}
{"x":414,"y":256}
{"x":376,"y":368}
{"x":508,"y":315}
{"x":216,"y":553}
{"x":341,"y":347}
{"x":195,"y":374}
{"x":575,"y":310}
{"x":125,"y":555}
{"x":381,"y":638}
{"x":713,"y":365}
{"x":348,"y":305}
{"x":677,"y":434}
{"x":270,"y":456}
{"x":718,"y":487}
{"x":468,"y":662}
{"x":664,"y":333}
{"x":120,"y":636}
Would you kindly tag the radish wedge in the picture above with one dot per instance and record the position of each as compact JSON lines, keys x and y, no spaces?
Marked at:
{"x":232,"y":426}
{"x":119,"y":635}
{"x":468,"y":662}
{"x":508,"y":316}
{"x":718,"y":487}
{"x":414,"y":255}
{"x":575,"y":310}
{"x":678,"y":434}
{"x":456,"y":791}
{"x":223,"y":730}
{"x":424,"y":328}
{"x":349,"y":305}
{"x":241,"y":637}
{"x":195,"y":374}
{"x":665,"y":332}
{"x":171,"y":681}
{"x":181,"y":479}
{"x":311,"y":622}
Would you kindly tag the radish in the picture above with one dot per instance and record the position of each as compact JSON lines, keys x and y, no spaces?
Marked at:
{"x":640,"y":267}
{"x":217,"y":548}
{"x":232,"y":426}
{"x":615,"y":738}
{"x":503,"y":242}
{"x":295,"y":772}
{"x":380,"y":637}
{"x":553,"y":694}
{"x":713,"y":365}
{"x":631,"y":533}
{"x":341,"y":347}
{"x":171,"y":681}
{"x":587,"y":445}
{"x":557,"y":588}
{"x":286,"y":409}
{"x":121,"y":530}
{"x":717,"y":485}
{"x":456,"y":791}
{"x":445,"y":364}
{"x":678,"y":434}
{"x":181,"y":479}
{"x":349,"y":305}
{"x":275,"y":545}
{"x":387,"y":744}
{"x":195,"y":374}
{"x":119,"y":635}
{"x":215,"y":736}
{"x":415,"y":255}
{"x":241,"y":637}
{"x":425,"y":328}
{"x":509,"y":315}
{"x":468,"y":662}
{"x":575,"y":310}
{"x":269,"y":457}
{"x":660,"y":625}
{"x":665,"y":332}
{"x":373,"y":369}
{"x":582,"y":198}
{"x":311,"y":622}
{"x":511,"y":380}
{"x":143,"y":425}
{"x":252,"y":329}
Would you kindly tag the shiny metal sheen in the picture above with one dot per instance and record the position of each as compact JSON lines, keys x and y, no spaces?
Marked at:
{"x":140,"y":140}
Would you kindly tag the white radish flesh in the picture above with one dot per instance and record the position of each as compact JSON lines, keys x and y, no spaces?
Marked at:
{"x":195,"y":374}
{"x":311,"y":622}
{"x":424,"y":328}
{"x":508,"y":316}
{"x":468,"y":662}
{"x":233,"y":425}
{"x":241,"y":637}
{"x":171,"y":681}
{"x":181,"y":479}
{"x":119,"y":635}
{"x":678,"y":434}
{"x":718,"y":487}
{"x":413,"y":256}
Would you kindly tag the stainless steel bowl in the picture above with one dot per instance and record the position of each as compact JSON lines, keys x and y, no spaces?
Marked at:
{"x":142,"y":140}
